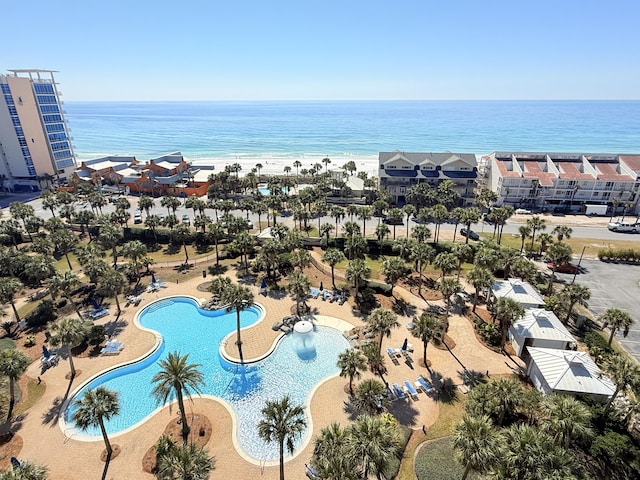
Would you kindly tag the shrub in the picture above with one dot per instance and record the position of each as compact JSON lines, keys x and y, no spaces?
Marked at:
{"x":379,"y":287}
{"x":595,"y":339}
{"x":96,"y":334}
{"x":42,"y":314}
{"x":30,"y":341}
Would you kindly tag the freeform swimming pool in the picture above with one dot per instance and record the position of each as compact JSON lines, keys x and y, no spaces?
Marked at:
{"x":188,"y":329}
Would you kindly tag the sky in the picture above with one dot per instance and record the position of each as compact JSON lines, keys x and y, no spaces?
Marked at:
{"x":328,"y":50}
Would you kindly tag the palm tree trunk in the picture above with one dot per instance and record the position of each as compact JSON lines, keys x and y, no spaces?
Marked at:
{"x":68,"y":261}
{"x":71,"y":365}
{"x":239,"y":340}
{"x":186,"y":254}
{"x":475,"y":301}
{"x":281,"y":457}
{"x":15,"y":312}
{"x":613,"y":332}
{"x":183,"y":415}
{"x":467,"y":469}
{"x":12,"y":398}
{"x":333,"y":279}
{"x":107,"y":443}
{"x":118,"y":301}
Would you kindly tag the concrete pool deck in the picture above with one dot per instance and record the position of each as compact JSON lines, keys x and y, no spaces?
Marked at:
{"x":67,"y":458}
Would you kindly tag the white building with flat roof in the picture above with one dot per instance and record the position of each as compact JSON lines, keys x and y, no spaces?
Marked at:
{"x":34,"y":138}
{"x":564,"y":181}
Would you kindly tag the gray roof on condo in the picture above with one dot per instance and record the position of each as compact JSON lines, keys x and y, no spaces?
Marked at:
{"x":436,"y":158}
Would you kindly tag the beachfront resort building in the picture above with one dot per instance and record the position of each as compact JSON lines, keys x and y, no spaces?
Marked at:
{"x":170,"y":174}
{"x":35,"y":146}
{"x":400,"y":170}
{"x":565,"y":181}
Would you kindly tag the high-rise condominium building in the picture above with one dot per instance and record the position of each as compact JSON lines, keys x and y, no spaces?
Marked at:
{"x":35,"y":146}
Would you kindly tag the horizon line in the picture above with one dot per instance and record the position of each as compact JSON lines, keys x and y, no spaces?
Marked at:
{"x":367,"y":100}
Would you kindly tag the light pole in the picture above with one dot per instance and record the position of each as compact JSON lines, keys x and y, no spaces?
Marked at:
{"x":578,"y":266}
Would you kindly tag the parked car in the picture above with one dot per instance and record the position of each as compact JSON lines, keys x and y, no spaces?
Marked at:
{"x":137,"y":217}
{"x":523,"y":211}
{"x":186,"y":220}
{"x":471,"y":234}
{"x":564,"y":268}
{"x":624,"y":227}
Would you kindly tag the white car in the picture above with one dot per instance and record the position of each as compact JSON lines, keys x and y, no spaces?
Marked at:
{"x":523,"y":211}
{"x":137,"y":217}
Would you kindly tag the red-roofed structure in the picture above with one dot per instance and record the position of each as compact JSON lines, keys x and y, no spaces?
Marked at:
{"x":564,"y":181}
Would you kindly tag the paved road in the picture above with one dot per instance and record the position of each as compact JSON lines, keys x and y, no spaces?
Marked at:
{"x":614,"y":285}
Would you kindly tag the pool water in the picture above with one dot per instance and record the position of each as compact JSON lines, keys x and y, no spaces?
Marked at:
{"x":188,"y":329}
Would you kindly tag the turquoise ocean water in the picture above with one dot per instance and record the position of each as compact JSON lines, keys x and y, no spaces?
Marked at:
{"x":350,"y":128}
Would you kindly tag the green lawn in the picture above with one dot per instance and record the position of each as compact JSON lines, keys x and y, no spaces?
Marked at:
{"x":374,"y":264}
{"x":577,"y":244}
{"x":449,"y":414}
{"x":436,"y":461}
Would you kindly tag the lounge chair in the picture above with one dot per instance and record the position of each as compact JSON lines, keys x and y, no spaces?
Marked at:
{"x":463,"y":388}
{"x":98,"y":313}
{"x":391,"y":396}
{"x":410,"y":389}
{"x":314,"y":293}
{"x":114,"y":344}
{"x":391,"y":352}
{"x":423,"y":384}
{"x":111,"y":350}
{"x":398,"y":391}
{"x":311,"y":472}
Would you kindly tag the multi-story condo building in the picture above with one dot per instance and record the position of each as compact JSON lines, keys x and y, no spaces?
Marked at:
{"x":34,"y":137}
{"x":400,"y":170}
{"x":565,"y":181}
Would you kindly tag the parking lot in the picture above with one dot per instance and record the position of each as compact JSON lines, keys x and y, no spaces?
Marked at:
{"x":613,"y":285}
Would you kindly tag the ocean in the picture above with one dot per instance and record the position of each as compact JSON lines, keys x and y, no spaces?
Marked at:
{"x":277,"y":133}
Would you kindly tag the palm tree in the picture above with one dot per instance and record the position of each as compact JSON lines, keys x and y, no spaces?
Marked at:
{"x":351,"y":363}
{"x":371,"y":397}
{"x":94,"y":408}
{"x":364,"y":214}
{"x":333,"y":256}
{"x":614,"y":319}
{"x":382,"y":231}
{"x":330,"y":454}
{"x":482,"y":279}
{"x":9,"y":286}
{"x":282,"y":422}
{"x":374,"y":443}
{"x":532,"y":454}
{"x":135,"y":250}
{"x":27,"y":471}
{"x":69,"y":332}
{"x":177,"y":378}
{"x":381,"y":321}
{"x":469,"y":216}
{"x":110,"y":237}
{"x":65,"y":283}
{"x":562,"y":232}
{"x":375,"y":361}
{"x":238,"y":298}
{"x":572,"y":294}
{"x":428,"y":328}
{"x":566,"y":419}
{"x":182,"y":234}
{"x":525,"y":232}
{"x":357,"y":271}
{"x":536,"y":224}
{"x":355,"y":247}
{"x":477,"y":444}
{"x":559,"y":254}
{"x":182,"y":461}
{"x":13,"y":364}
{"x":506,"y":312}
{"x":298,"y":287}
{"x":394,"y":269}
{"x":624,"y":372}
{"x":447,"y":262}
{"x":111,"y":284}
{"x":449,"y":287}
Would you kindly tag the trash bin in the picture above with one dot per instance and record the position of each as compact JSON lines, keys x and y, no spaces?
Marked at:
{"x":204,"y":274}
